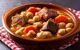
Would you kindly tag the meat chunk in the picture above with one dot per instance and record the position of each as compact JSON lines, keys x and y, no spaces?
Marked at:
{"x":45,"y":13}
{"x":17,"y":19}
{"x":52,"y":14}
{"x":50,"y":26}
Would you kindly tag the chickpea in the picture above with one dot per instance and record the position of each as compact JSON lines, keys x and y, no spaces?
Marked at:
{"x":36,"y":18}
{"x":61,"y":31}
{"x":31,"y":21}
{"x":38,"y":24}
{"x":68,"y":29}
{"x":48,"y":34}
{"x":40,"y":35}
{"x":29,"y":15}
{"x":23,"y":13}
{"x":23,"y":35}
{"x":70,"y":20}
{"x":44,"y":34}
{"x":19,"y":31}
{"x":31,"y":34}
{"x":13,"y":29}
{"x":58,"y":35}
{"x":62,"y":25}
{"x":69,"y":25}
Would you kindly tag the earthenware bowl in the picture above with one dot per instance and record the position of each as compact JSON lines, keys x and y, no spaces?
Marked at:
{"x":45,"y":43}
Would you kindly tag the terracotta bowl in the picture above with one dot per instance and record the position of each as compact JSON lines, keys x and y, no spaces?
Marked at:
{"x":46,"y":44}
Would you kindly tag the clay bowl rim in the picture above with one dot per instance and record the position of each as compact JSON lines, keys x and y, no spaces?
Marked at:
{"x":4,"y":18}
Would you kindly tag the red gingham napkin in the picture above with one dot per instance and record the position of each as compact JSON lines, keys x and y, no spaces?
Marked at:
{"x":4,"y":37}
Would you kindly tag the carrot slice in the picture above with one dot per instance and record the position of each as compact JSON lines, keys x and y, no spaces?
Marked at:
{"x":28,"y":28}
{"x":61,"y":18}
{"x":32,"y":9}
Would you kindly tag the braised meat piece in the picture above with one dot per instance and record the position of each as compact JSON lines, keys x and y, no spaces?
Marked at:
{"x":52,"y":13}
{"x":45,"y":14}
{"x":17,"y":19}
{"x":50,"y":26}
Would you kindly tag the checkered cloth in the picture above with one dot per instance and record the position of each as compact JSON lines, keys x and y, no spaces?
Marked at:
{"x":5,"y":38}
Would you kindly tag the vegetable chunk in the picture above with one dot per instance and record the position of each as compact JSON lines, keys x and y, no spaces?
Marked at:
{"x":50,"y":26}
